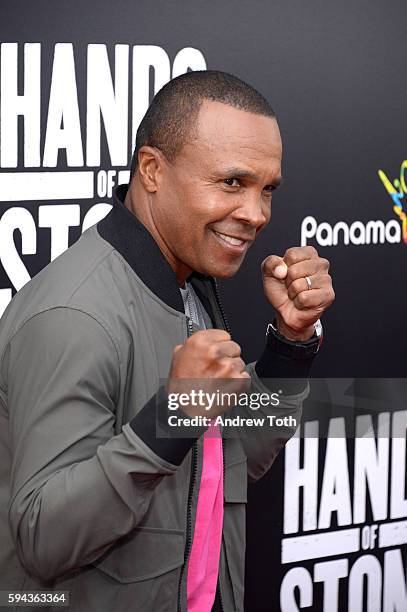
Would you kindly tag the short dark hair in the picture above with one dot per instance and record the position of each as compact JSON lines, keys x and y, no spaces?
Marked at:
{"x":168,"y":120}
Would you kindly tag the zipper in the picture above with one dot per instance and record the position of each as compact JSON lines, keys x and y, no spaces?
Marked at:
{"x":188,"y":543}
{"x":220,"y":305}
{"x":194,"y":463}
{"x":190,"y":305}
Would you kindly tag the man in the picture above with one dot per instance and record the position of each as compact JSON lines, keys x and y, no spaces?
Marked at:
{"x":94,"y":501}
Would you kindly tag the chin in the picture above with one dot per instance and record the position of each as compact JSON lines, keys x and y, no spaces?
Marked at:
{"x":226,"y":271}
{"x":225,"y":274}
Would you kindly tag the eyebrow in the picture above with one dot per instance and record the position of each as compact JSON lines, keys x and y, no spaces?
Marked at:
{"x":240,"y":173}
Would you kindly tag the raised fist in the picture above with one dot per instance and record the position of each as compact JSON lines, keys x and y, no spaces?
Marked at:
{"x":299,"y":288}
{"x":209,"y":361}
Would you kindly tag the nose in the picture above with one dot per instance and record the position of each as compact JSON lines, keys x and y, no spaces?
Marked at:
{"x":253,"y":211}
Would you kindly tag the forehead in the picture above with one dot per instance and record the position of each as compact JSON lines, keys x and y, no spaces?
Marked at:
{"x":229,"y":136}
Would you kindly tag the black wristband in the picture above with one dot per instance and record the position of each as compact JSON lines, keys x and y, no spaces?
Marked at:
{"x":286,"y":363}
{"x":153,"y":418}
{"x":292,"y":349}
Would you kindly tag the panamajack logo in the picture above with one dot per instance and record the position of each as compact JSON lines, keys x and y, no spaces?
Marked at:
{"x":358,"y":232}
{"x":397,"y":191}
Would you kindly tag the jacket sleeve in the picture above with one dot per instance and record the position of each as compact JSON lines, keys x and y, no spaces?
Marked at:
{"x":263,"y":443}
{"x":274,"y":373}
{"x":75,"y":487}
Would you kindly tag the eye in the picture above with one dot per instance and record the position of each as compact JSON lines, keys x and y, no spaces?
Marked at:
{"x":268,"y":189}
{"x":232,"y":182}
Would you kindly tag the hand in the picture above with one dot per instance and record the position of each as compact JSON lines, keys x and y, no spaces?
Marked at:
{"x":297,"y":306}
{"x":212,"y":357}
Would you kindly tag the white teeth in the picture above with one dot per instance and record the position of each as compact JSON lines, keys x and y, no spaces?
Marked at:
{"x":230,"y":239}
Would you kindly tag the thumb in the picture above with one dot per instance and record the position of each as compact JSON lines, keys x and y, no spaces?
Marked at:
{"x":274,"y":266}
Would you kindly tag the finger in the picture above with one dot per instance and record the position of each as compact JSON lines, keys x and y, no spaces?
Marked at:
{"x":309,"y":267}
{"x":230,"y":367}
{"x":275,"y":267}
{"x":315,"y":299}
{"x":216,"y":351}
{"x":244,"y":374}
{"x":238,"y":366}
{"x":318,"y":281}
{"x":229,"y":348}
{"x":208,"y":336}
{"x":296,"y":254}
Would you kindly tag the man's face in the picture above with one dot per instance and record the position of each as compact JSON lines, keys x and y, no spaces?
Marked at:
{"x":215,"y":197}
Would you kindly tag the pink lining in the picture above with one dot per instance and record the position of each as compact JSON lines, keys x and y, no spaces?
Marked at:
{"x":203,"y":564}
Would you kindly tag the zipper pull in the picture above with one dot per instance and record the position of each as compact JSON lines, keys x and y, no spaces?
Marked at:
{"x":190,"y":327}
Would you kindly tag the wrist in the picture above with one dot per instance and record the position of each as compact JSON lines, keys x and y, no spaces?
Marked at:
{"x":293,"y":335}
{"x":294,"y":349}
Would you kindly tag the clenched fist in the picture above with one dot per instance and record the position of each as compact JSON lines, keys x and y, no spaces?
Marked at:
{"x":213,"y":358}
{"x":299,"y":288}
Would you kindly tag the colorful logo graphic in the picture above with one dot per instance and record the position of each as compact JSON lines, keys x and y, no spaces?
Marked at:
{"x":373,"y":231}
{"x":398,"y":191}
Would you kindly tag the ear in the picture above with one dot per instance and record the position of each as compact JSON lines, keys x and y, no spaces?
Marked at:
{"x":150,"y":162}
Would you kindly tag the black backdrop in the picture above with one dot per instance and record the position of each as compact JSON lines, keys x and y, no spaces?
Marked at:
{"x":335,"y":74}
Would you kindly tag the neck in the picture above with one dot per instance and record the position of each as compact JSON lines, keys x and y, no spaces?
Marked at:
{"x":140,"y":205}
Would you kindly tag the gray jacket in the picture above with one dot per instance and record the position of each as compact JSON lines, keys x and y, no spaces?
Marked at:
{"x":91,"y":500}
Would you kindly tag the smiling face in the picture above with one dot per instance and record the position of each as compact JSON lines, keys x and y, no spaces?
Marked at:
{"x":213,"y":199}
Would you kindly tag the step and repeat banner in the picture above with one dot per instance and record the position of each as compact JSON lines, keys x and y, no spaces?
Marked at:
{"x":327,"y":526}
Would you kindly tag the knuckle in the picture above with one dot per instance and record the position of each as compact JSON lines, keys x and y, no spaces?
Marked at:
{"x":290,"y":255}
{"x":240,"y":365}
{"x":227,"y":369}
{"x":196,"y":339}
{"x":291,"y":275}
{"x":289,"y":278}
{"x":324,"y":279}
{"x":236,"y":347}
{"x":302,"y":298}
{"x":214,"y":351}
{"x":224,"y":335}
{"x":312,"y":251}
{"x":291,"y":292}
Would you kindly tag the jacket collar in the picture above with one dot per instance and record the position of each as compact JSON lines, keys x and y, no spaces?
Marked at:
{"x":133,"y":241}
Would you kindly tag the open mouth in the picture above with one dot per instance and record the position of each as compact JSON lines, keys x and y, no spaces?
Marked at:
{"x":236,"y":245}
